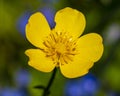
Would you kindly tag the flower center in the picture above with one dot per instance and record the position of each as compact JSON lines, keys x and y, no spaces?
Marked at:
{"x":60,"y":47}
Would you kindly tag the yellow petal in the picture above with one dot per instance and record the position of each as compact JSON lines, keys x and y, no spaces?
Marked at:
{"x":90,"y":47}
{"x":39,"y":61}
{"x":37,"y":29}
{"x":76,"y":68}
{"x":71,"y":21}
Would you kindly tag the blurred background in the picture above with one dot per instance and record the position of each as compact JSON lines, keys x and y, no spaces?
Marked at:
{"x":19,"y":79}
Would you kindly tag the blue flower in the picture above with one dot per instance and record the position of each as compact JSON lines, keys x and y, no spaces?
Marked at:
{"x":8,"y":91}
{"x":49,"y":13}
{"x":22,"y":78}
{"x":22,"y":21}
{"x":87,"y":85}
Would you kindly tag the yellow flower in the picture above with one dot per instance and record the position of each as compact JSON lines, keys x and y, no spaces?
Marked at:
{"x":61,"y":46}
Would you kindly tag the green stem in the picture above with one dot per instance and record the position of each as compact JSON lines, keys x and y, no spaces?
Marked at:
{"x":46,"y":91}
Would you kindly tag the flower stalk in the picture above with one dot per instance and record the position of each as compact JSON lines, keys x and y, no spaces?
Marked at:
{"x":46,"y":90}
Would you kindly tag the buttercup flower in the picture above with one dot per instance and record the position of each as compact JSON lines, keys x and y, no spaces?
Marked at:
{"x":62,"y":46}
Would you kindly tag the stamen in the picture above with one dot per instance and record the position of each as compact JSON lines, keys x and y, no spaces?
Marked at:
{"x":60,"y":48}
{"x":46,"y":44}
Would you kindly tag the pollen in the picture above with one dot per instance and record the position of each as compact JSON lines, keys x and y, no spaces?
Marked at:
{"x":60,"y":47}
